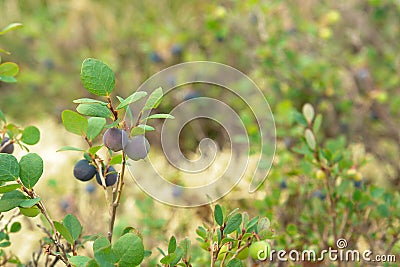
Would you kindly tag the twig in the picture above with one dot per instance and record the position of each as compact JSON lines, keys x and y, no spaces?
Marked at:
{"x":117,"y":197}
{"x":58,"y":245}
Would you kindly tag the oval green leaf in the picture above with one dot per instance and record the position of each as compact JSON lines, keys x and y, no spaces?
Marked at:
{"x":30,"y":135}
{"x":310,"y":139}
{"x":218,"y":215}
{"x":154,"y":99}
{"x":31,"y":168}
{"x":11,"y":27}
{"x":308,"y":112}
{"x":74,"y":122}
{"x":160,"y":116}
{"x":89,"y":101}
{"x":94,"y":110}
{"x":97,"y":77}
{"x":64,"y":232}
{"x":73,"y":225}
{"x":233,"y":223}
{"x":129,"y":250}
{"x":95,"y":127}
{"x":141,"y":129}
{"x":9,"y":69}
{"x":9,"y":167}
{"x":131,"y":99}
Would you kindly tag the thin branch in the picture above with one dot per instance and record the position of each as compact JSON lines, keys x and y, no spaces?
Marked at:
{"x":116,"y":197}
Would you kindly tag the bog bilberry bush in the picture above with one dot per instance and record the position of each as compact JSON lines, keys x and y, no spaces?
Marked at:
{"x":226,"y":242}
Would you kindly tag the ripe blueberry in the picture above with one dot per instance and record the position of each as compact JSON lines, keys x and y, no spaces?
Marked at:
{"x":84,"y":171}
{"x":111,"y":176}
{"x":9,"y":149}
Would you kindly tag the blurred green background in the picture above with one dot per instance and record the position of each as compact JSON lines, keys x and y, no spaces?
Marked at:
{"x":340,"y":56}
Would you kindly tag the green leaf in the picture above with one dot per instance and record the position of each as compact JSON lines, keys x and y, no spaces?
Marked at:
{"x":94,"y":149}
{"x":377,"y":192}
{"x":106,"y":257}
{"x":11,"y":27}
{"x":154,"y":99}
{"x":160,"y":116}
{"x":177,"y":256}
{"x":173,"y":258}
{"x":202,"y":232}
{"x":92,"y":263}
{"x":89,"y":101}
{"x":263,"y":223}
{"x":8,"y":79}
{"x":11,"y":200}
{"x":141,"y":129}
{"x":232,"y":213}
{"x":95,"y":127}
{"x":79,"y":261}
{"x":74,"y":122}
{"x":218,"y":215}
{"x":64,"y":232}
{"x":299,"y":118}
{"x":129,"y":250}
{"x":73,"y":225}
{"x":9,"y":69}
{"x":131,"y":99}
{"x":250,"y":224}
{"x":5,"y":244}
{"x":317,"y":123}
{"x":100,"y":243}
{"x":291,"y":229}
{"x":357,"y":195}
{"x":70,"y":148}
{"x":310,"y":139}
{"x":97,"y":77}
{"x":4,"y":51}
{"x":308,"y":112}
{"x":383,"y":211}
{"x":30,"y":135}
{"x":9,"y":168}
{"x":29,"y":203}
{"x":15,"y":227}
{"x":3,"y":117}
{"x":30,"y":212}
{"x":94,"y":110}
{"x":233,"y":223}
{"x":185,"y":245}
{"x":117,"y":159}
{"x":8,"y":188}
{"x":234,"y":263}
{"x":31,"y":168}
{"x":172,"y":244}
{"x":113,"y":124}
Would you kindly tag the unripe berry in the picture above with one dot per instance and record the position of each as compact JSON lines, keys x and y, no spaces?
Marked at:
{"x":358,"y":177}
{"x":260,"y":250}
{"x":137,"y":148}
{"x":113,"y":138}
{"x":321,"y":175}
